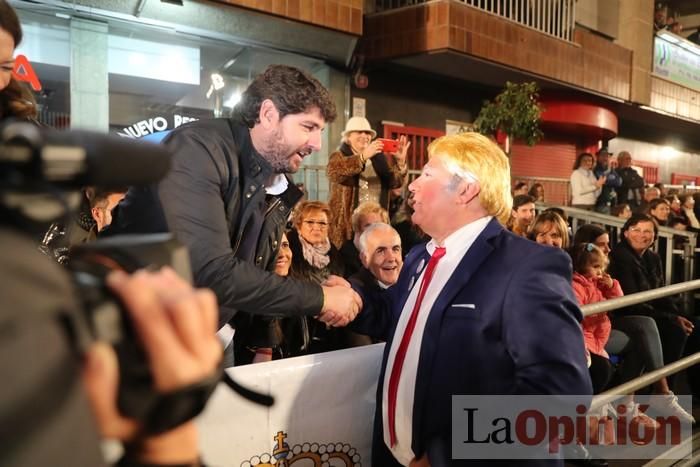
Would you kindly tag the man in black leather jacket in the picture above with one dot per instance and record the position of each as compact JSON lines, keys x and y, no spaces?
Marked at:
{"x":228,"y":199}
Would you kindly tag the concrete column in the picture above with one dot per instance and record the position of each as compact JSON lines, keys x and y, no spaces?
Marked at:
{"x":636,"y":32}
{"x":89,"y":83}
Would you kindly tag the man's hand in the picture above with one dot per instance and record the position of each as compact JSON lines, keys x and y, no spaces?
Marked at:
{"x":685,"y":324}
{"x":176,"y":325}
{"x":341,"y":304}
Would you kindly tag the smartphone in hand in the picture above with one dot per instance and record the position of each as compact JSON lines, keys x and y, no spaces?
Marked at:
{"x":390,"y":145}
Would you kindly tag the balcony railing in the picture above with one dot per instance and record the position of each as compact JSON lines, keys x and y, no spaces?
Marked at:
{"x":552,"y":17}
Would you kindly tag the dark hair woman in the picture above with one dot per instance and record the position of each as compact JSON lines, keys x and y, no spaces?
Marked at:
{"x":638,"y":268}
{"x":16,"y":99}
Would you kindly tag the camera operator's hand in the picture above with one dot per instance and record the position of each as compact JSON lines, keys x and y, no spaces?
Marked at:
{"x":176,"y":325}
{"x":341,"y":304}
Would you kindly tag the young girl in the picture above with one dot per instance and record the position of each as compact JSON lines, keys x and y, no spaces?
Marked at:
{"x":591,"y":285}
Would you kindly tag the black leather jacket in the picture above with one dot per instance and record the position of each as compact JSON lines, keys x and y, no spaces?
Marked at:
{"x":214,"y":192}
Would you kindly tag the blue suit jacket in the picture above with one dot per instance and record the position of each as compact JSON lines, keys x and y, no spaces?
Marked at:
{"x":522,"y":337}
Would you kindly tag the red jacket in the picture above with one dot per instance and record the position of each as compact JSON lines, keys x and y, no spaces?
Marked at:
{"x":596,"y":328}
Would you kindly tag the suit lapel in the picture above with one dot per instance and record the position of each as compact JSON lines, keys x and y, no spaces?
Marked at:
{"x":468,"y":265}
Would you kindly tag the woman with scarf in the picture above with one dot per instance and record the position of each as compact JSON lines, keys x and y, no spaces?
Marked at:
{"x":360,"y":171}
{"x":314,"y":258}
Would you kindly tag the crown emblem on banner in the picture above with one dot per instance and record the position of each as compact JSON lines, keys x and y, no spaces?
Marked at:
{"x":322,"y":455}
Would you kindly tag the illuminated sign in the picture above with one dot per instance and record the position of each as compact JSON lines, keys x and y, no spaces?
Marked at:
{"x":154,"y":125}
{"x":677,"y":60}
{"x":23,"y":71}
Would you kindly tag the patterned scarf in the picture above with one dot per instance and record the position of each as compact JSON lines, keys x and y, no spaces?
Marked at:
{"x":316,"y":255}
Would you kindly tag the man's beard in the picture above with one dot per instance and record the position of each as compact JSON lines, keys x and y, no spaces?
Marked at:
{"x":278,"y":153}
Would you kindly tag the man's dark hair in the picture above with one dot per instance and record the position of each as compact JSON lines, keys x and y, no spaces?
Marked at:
{"x":293,"y":91}
{"x":97,"y":195}
{"x":521,"y":200}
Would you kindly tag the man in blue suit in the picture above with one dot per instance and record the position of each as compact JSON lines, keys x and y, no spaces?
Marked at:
{"x":496,"y":316}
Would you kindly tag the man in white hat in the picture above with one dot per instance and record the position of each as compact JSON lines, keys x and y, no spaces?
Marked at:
{"x":360,"y":171}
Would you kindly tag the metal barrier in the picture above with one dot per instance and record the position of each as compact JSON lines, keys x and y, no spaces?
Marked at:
{"x":640,"y":297}
{"x":664,"y":244}
{"x":555,"y":18}
{"x":315,"y":181}
{"x":556,"y":190}
{"x":647,"y":378}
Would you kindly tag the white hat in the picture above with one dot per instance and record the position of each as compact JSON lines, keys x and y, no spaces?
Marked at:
{"x":358,"y":124}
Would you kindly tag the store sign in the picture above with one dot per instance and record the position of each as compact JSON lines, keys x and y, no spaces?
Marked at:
{"x":677,"y":60}
{"x":23,"y":71}
{"x":154,"y":125}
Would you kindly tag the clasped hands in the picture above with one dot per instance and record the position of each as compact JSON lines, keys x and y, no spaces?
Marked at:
{"x":341,"y":303}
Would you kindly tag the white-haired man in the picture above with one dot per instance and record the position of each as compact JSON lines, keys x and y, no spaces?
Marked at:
{"x":380,"y":254}
{"x":476,"y":310}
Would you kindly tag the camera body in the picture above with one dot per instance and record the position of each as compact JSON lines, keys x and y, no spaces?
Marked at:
{"x":40,"y":171}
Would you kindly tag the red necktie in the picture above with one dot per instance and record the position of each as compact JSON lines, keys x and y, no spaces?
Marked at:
{"x":405,"y":339}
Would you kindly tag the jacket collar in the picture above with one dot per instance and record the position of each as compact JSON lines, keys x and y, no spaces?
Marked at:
{"x":254,"y":165}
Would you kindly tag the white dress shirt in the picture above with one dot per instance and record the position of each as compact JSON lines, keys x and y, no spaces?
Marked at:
{"x":456,"y":245}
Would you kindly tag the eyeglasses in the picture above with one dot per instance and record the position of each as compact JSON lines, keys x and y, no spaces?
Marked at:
{"x":640,"y":231}
{"x":319,"y":224}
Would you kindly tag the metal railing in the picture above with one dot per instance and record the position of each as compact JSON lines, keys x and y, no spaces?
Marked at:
{"x":555,"y":18}
{"x":648,"y":378}
{"x":315,"y":182}
{"x":556,"y":190}
{"x":639,"y":297}
{"x":663,"y":245}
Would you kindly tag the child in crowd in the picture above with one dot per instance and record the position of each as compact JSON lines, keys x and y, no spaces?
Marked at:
{"x":593,"y":284}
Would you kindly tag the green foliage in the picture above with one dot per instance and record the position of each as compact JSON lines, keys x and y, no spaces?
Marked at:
{"x":515,"y":111}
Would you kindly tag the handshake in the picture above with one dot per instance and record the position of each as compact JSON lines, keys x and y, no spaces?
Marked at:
{"x":341,"y":303}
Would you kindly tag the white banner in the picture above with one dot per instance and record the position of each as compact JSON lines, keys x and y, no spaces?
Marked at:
{"x":323,"y":413}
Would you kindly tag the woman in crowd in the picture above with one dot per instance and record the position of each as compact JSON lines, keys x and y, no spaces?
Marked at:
{"x":687,"y":212}
{"x":550,"y":229}
{"x":675,"y":203}
{"x":660,"y":210}
{"x":359,"y":171}
{"x":314,"y":258}
{"x":638,"y":269}
{"x":635,"y":338}
{"x":595,"y":234}
{"x":16,"y":100}
{"x":585,"y":188}
{"x":537,"y":192}
{"x":260,"y":338}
